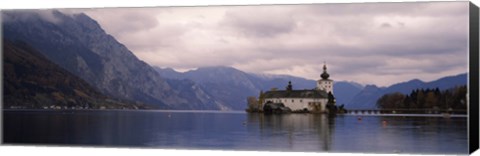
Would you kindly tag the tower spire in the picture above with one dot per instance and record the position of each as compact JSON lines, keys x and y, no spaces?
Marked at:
{"x":324,"y":66}
{"x":324,"y":75}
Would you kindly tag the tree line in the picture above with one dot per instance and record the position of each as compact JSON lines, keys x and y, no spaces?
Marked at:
{"x":454,"y":98}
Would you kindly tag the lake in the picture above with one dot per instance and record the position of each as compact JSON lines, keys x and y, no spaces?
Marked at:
{"x":237,"y":131}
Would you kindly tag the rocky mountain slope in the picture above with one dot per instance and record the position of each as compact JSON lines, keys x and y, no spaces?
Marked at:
{"x":32,"y":81}
{"x":78,"y":44}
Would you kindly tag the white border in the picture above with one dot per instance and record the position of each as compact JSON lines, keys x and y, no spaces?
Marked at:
{"x":46,"y":4}
{"x":82,"y":151}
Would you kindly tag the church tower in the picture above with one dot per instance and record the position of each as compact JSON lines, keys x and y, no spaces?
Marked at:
{"x":325,"y":83}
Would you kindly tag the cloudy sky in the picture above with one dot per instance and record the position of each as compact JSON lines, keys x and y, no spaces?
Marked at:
{"x":369,"y":43}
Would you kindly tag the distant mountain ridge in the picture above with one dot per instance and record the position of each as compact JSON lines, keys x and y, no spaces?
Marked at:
{"x":344,"y":91}
{"x":368,"y":97}
{"x":351,"y":94}
{"x":232,"y":86}
{"x":227,"y":85}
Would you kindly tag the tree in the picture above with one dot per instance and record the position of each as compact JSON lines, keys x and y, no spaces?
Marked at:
{"x":454,"y":98}
{"x":261,"y":99}
{"x":252,"y":103}
{"x":331,"y":99}
{"x":407,"y":102}
{"x":460,"y":97}
{"x":421,"y":99}
{"x":331,"y":103}
{"x":390,"y":101}
{"x":431,"y":100}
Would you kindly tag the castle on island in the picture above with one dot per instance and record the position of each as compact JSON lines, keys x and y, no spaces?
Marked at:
{"x":319,"y":99}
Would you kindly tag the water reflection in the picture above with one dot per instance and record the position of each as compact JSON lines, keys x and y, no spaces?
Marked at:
{"x":294,"y":132}
{"x":239,"y":131}
{"x":428,"y":134}
{"x":396,"y":134}
{"x":72,"y":128}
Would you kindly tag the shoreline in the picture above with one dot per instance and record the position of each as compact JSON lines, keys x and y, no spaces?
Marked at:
{"x":236,"y":112}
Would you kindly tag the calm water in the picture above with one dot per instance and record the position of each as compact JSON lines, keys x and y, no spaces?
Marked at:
{"x":238,"y":131}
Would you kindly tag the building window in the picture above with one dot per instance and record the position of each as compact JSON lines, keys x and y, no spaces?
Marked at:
{"x":301,"y":101}
{"x":293,"y":100}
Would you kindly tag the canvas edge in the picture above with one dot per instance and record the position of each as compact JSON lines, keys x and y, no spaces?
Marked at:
{"x":473,"y":118}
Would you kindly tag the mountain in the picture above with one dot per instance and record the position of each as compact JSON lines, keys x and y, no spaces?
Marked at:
{"x":78,"y":44}
{"x":231,"y":86}
{"x":268,"y":81}
{"x":344,"y":91}
{"x":32,"y":81}
{"x":368,"y":97}
{"x":169,"y":73}
{"x":448,"y":82}
{"x":221,"y":73}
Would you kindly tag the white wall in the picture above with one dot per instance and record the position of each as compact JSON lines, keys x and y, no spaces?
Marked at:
{"x":326,"y":85}
{"x":298,"y":103}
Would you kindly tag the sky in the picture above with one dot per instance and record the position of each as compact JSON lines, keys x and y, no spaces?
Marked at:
{"x":369,"y":43}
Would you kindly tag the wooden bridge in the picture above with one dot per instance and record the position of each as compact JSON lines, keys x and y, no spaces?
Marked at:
{"x":405,"y":111}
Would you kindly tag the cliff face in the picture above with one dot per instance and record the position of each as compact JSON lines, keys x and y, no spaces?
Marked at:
{"x":32,"y":81}
{"x":78,"y":44}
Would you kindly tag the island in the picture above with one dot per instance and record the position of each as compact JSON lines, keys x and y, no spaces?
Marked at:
{"x":317,"y":100}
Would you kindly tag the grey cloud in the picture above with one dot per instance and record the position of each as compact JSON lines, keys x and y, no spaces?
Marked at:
{"x":418,"y":40}
{"x":125,"y":20}
{"x":46,"y":15}
{"x":385,"y":8}
{"x":386,"y":25}
{"x":258,"y":21}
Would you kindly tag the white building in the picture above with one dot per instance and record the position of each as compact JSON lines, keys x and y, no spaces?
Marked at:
{"x":297,"y":100}
{"x":325,"y":83}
